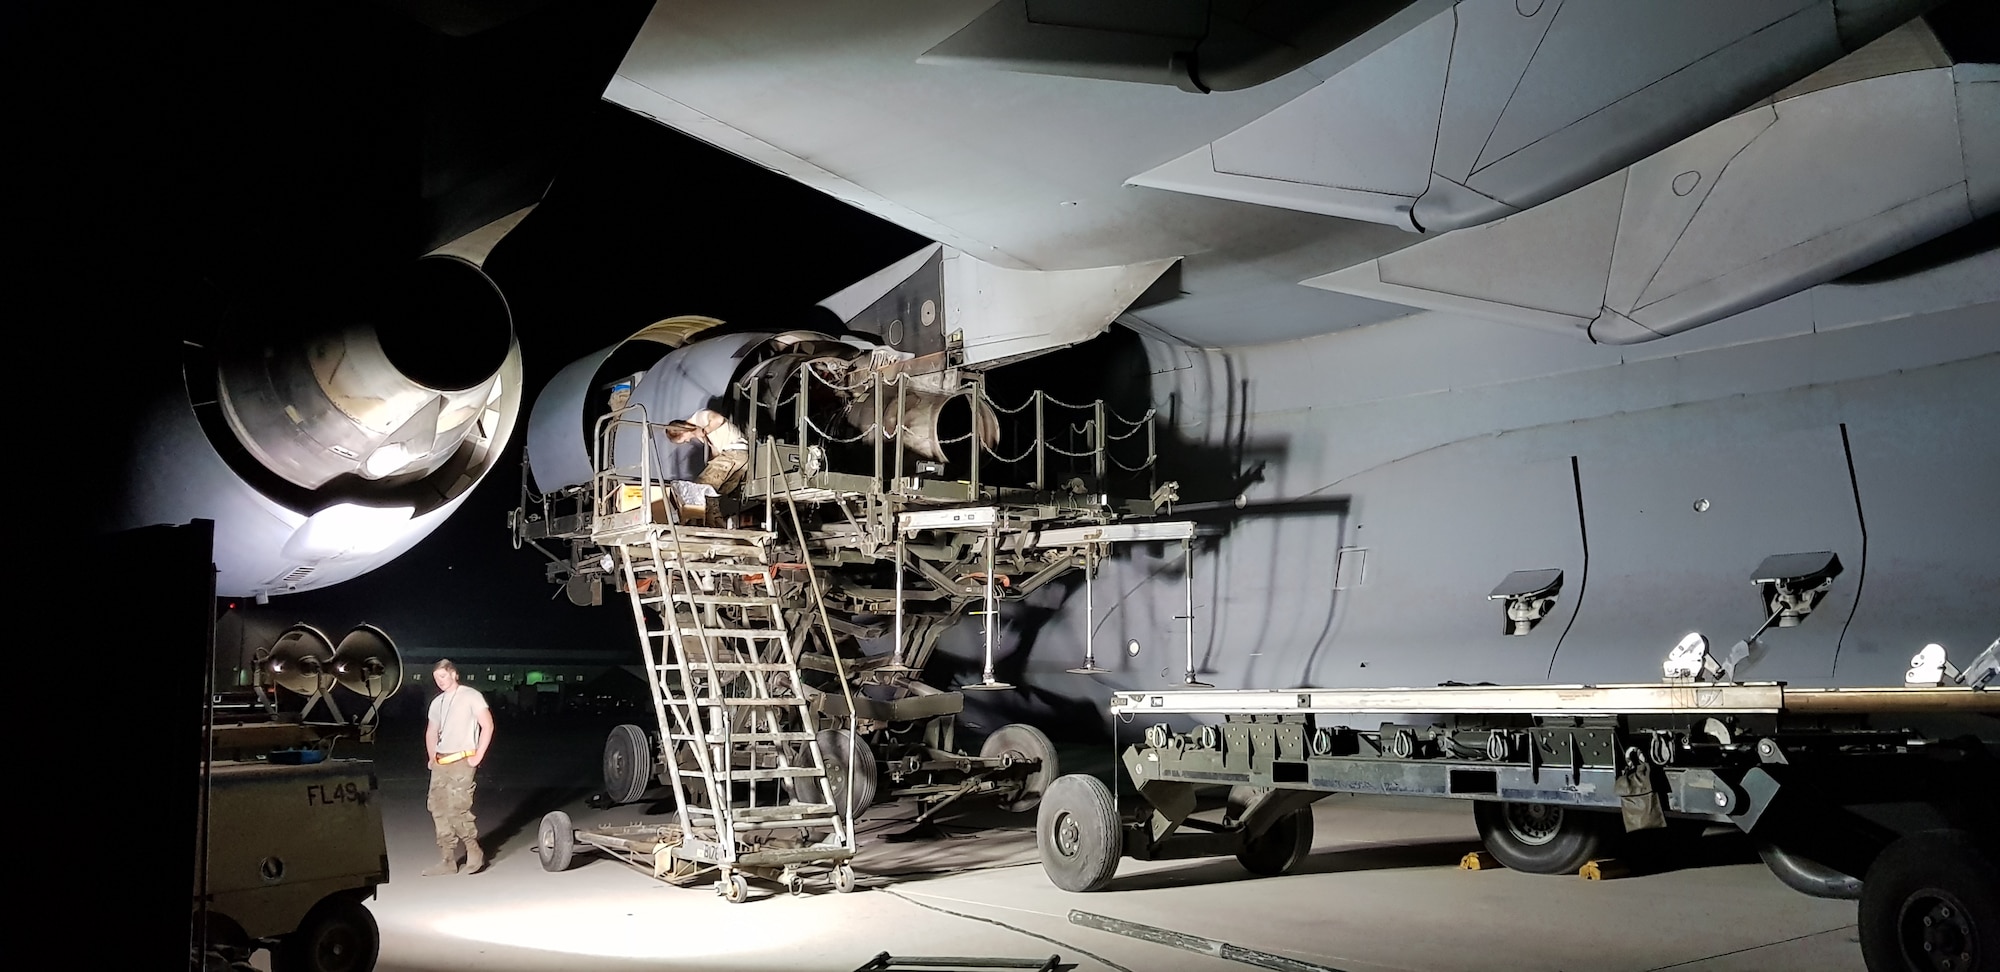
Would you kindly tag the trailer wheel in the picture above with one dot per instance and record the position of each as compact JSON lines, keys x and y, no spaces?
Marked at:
{"x":1279,"y":849}
{"x":833,"y":754}
{"x":555,"y":841}
{"x":337,"y":935}
{"x":1031,"y":743}
{"x":1540,"y":838}
{"x":1077,"y":833}
{"x":628,"y":764}
{"x":1931,"y":903}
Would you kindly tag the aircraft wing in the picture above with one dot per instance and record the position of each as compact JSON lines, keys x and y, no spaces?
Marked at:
{"x":1038,"y":135}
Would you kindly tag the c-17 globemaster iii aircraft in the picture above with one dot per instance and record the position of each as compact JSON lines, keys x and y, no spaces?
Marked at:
{"x":1476,"y":343}
{"x":1479,"y":341}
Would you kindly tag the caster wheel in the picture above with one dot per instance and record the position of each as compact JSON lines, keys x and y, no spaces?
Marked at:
{"x":843,"y":878}
{"x":555,"y":841}
{"x":734,"y":888}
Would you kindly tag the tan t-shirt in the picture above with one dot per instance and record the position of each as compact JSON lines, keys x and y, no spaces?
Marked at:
{"x":723,"y":435}
{"x":456,"y":714}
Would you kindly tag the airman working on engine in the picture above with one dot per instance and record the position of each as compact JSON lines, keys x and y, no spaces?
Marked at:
{"x":728,"y":452}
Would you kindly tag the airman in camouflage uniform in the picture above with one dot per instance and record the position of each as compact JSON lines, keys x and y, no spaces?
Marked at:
{"x":459,"y":729}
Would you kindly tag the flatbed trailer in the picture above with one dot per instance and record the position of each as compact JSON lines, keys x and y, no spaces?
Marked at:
{"x":1849,"y":792}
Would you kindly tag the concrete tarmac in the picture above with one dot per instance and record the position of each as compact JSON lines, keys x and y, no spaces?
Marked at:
{"x":1381,"y":893}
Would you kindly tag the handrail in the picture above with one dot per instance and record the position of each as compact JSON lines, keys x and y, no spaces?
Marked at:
{"x":839,"y":667}
{"x":1103,"y":427}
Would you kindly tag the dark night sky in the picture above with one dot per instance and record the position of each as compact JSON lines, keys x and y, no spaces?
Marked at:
{"x":641,"y":223}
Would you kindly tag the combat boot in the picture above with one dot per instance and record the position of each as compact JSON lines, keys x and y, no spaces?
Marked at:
{"x":447,"y":859}
{"x":475,"y":859}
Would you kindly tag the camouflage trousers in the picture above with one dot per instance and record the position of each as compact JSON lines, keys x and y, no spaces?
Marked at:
{"x":450,"y":801}
{"x":724,"y":471}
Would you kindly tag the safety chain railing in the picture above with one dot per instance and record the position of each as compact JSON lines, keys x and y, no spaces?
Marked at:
{"x":887,"y":425}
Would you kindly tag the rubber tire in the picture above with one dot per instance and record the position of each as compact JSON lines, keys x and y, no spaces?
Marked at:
{"x":1580,"y":838}
{"x":337,"y":935}
{"x":736,"y":890}
{"x":1280,"y":849}
{"x":1084,"y":803}
{"x":1921,"y":866}
{"x":1027,"y":741}
{"x":833,"y":753}
{"x":628,"y":764}
{"x":843,"y":878}
{"x":555,"y":841}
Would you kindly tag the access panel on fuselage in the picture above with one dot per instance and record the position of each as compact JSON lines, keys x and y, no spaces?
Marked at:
{"x":1434,"y":534}
{"x":1676,"y":523}
{"x":1927,"y":468}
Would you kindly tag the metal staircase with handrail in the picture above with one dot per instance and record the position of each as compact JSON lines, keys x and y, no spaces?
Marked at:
{"x":737,"y":744}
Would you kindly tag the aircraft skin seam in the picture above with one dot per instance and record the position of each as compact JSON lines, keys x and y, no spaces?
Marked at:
{"x":1639,"y":298}
{"x":1961,"y":187}
{"x":1500,"y":115}
{"x":1861,"y":570}
{"x":1958,"y":135}
{"x":1217,"y":169}
{"x":1479,"y":167}
{"x":1437,"y":133}
{"x":1583,"y":582}
{"x":1611,"y":253}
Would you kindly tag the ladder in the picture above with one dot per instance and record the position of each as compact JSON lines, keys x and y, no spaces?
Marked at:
{"x":737,"y":740}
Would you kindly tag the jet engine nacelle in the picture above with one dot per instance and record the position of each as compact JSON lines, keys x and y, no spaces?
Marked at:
{"x":324,"y":450}
{"x":682,"y":370}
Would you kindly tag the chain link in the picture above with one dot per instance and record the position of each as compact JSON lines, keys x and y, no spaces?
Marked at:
{"x":1002,"y":409}
{"x":1051,"y":398}
{"x":997,"y":457}
{"x":824,"y":434}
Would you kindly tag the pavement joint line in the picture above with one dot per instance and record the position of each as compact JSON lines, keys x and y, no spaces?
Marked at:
{"x":1099,"y":959}
{"x":911,"y":895}
{"x":1750,"y":948}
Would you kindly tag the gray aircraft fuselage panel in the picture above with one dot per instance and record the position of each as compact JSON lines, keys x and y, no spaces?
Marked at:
{"x":1927,"y":464}
{"x":1679,"y":515}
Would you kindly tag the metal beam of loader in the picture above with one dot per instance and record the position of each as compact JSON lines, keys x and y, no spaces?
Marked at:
{"x":1836,"y":785}
{"x":1567,"y":700}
